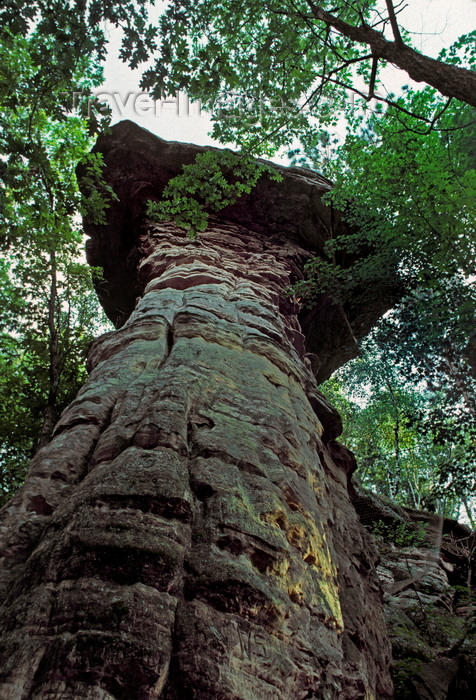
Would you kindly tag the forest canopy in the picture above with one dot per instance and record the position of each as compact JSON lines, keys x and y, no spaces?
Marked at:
{"x":276,"y":77}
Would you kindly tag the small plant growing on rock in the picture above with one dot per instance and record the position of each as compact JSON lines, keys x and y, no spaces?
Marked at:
{"x":403,"y":671}
{"x":402,"y":534}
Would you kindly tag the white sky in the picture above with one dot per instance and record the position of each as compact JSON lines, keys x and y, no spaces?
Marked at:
{"x":434,"y":24}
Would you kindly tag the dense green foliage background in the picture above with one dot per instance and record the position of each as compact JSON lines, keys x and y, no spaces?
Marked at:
{"x":49,"y":311}
{"x":277,"y":77}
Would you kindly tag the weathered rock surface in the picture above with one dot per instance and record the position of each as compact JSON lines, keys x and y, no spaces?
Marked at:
{"x":188,"y":532}
{"x":427,"y":571}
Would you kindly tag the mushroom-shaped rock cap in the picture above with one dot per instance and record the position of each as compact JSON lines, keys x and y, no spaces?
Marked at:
{"x":138,"y":165}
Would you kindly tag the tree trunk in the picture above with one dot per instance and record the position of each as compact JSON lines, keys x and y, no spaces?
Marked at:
{"x":188,"y":531}
{"x":49,"y":413}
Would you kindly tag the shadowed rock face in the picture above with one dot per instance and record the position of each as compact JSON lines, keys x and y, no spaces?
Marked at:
{"x":427,"y":569}
{"x":188,"y":533}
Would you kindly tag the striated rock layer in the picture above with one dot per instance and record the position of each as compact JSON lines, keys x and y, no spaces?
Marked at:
{"x":188,"y":533}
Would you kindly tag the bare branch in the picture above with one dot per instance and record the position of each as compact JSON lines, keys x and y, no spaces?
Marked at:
{"x":397,"y":106}
{"x":394,"y":24}
{"x":373,"y":76}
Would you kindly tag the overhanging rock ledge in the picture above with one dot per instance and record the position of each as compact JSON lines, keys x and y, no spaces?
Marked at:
{"x":140,"y":164}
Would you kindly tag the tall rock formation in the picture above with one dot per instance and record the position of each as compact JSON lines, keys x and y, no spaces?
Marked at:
{"x":188,"y":532}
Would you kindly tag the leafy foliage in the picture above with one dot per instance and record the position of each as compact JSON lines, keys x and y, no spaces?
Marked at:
{"x":415,"y":442}
{"x":71,"y":29}
{"x":403,"y":535}
{"x":271,"y":72}
{"x":414,"y":216}
{"x":25,"y":359}
{"x":410,"y":197}
{"x":49,"y":311}
{"x":213,"y":181}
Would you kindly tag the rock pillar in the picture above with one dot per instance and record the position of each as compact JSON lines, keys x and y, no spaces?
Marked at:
{"x":188,"y":532}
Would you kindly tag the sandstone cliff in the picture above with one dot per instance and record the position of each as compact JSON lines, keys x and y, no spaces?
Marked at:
{"x":188,"y":532}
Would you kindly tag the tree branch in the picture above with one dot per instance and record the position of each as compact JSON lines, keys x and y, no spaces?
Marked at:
{"x":373,"y":76}
{"x":390,"y":103}
{"x":450,"y":80}
{"x":394,"y":24}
